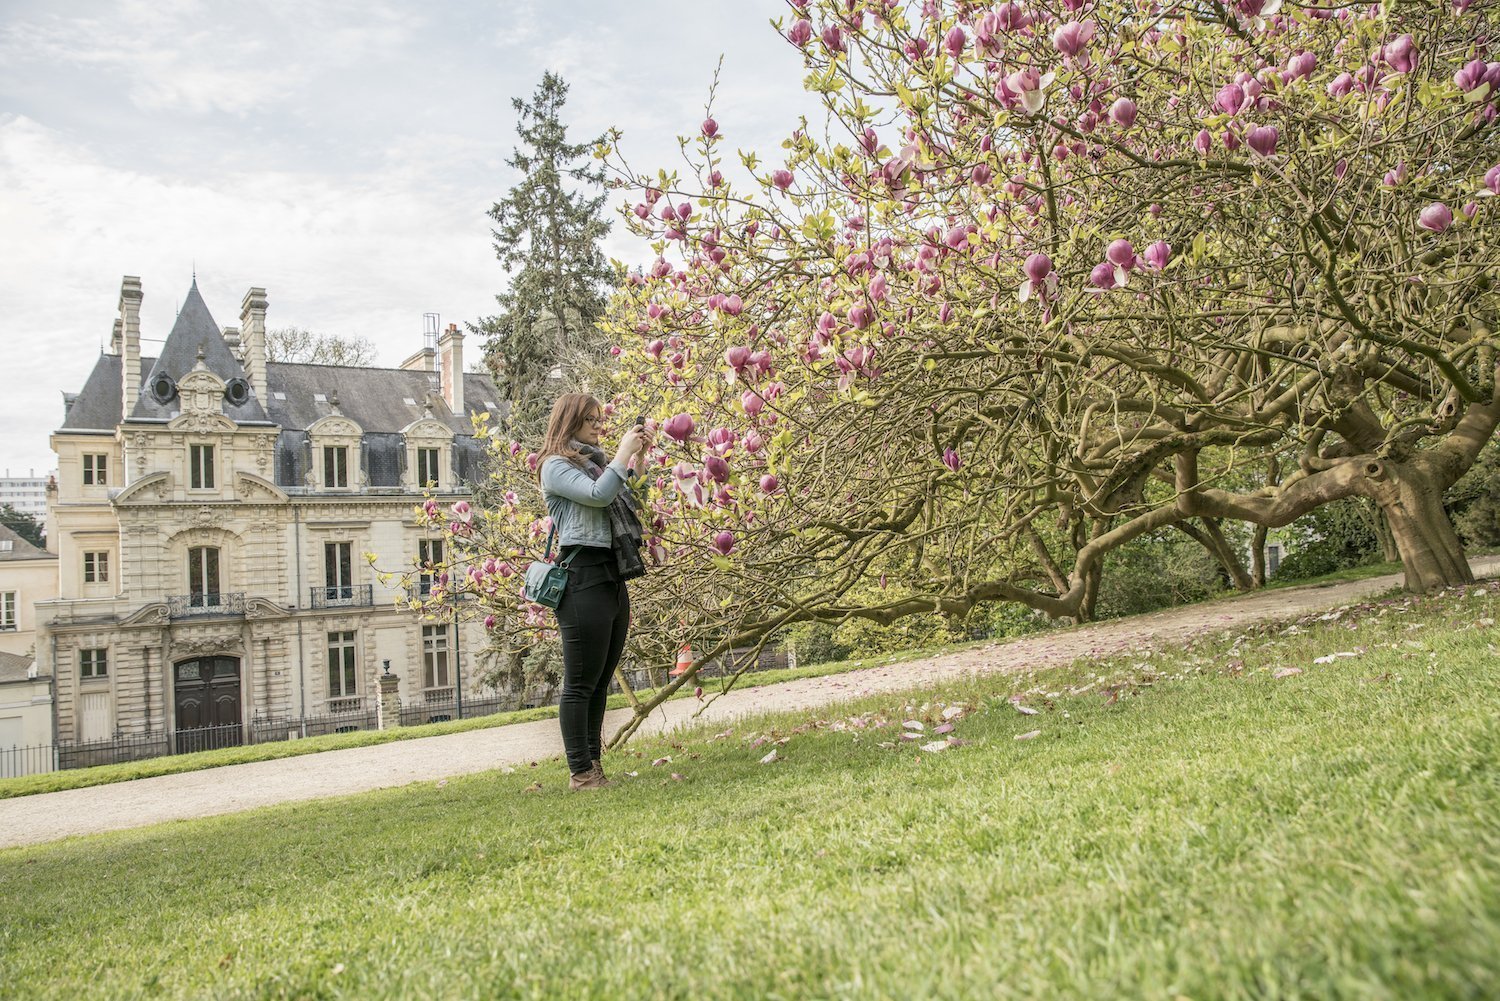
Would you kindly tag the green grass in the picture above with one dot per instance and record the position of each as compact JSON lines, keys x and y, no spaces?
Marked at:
{"x":1184,"y":825}
{"x":79,"y":778}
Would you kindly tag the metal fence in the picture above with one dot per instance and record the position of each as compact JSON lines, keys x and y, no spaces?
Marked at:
{"x":267,"y":730}
{"x":39,"y":759}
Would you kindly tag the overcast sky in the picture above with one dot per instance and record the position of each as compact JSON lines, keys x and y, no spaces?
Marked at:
{"x":342,"y":155}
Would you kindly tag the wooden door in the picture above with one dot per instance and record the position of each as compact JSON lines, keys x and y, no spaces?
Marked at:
{"x":207,"y":695}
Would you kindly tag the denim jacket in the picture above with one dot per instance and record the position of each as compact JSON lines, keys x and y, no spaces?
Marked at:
{"x":577,"y":503}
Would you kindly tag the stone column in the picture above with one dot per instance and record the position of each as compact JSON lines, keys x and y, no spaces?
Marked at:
{"x":388,"y":707}
{"x":253,"y":341}
{"x":130,"y":351}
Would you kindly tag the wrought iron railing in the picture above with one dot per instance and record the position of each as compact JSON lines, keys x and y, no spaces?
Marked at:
{"x":343,"y":596}
{"x":181,"y":606}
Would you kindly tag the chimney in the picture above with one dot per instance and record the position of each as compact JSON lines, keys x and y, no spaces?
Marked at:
{"x":451,"y":368}
{"x":421,"y":361}
{"x":130,"y":344}
{"x":232,"y":338}
{"x":253,"y":326}
{"x":116,"y":336}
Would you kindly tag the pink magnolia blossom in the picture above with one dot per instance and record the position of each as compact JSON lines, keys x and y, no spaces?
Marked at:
{"x":678,"y":426}
{"x":1436,"y":217}
{"x":801,"y":32}
{"x":1263,"y":139}
{"x":1492,"y":179}
{"x":782,"y":179}
{"x":955,"y":41}
{"x":1121,"y":254}
{"x":655,"y":348}
{"x":833,"y":38}
{"x":1341,"y":85}
{"x":724,"y":543}
{"x":717,"y":468}
{"x":1231,"y":98}
{"x":1400,"y":54}
{"x":737,"y":357}
{"x":1203,"y":142}
{"x":859,"y":316}
{"x":1072,"y":39}
{"x":1103,"y":275}
{"x":1123,"y":112}
{"x":1158,"y":254}
{"x":1037,"y":267}
{"x":752,"y":402}
{"x":769,"y":483}
{"x":753,"y":441}
{"x":710,"y":127}
{"x":951,"y":459}
{"x":1302,"y":65}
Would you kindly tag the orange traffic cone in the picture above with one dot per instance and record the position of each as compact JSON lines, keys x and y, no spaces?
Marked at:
{"x":684,"y":660}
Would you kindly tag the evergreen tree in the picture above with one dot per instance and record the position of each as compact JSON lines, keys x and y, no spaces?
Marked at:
{"x":547,"y":238}
{"x":23,"y":524}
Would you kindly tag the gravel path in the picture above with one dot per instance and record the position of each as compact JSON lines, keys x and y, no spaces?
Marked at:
{"x":50,"y":816}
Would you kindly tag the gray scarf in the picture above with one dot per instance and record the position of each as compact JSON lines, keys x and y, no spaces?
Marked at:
{"x":625,"y":532}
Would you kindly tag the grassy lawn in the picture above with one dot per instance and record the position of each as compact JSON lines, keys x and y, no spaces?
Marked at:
{"x":78,"y":778}
{"x":1185,"y":824}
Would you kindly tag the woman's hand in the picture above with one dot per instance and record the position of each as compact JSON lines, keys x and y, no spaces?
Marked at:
{"x":647,"y":437}
{"x":631,"y":443}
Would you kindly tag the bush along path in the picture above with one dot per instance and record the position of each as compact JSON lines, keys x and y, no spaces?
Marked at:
{"x":232,"y":788}
{"x":1300,"y":808}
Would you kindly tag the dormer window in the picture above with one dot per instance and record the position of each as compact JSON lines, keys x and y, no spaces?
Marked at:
{"x":428,"y":470}
{"x":335,"y":467}
{"x":201,"y":467}
{"x":95,"y":469}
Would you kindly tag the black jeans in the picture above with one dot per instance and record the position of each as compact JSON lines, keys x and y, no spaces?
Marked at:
{"x":593,"y":618}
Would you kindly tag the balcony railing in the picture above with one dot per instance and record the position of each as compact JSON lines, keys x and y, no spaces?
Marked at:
{"x":346,"y":704}
{"x":343,"y":596}
{"x":181,"y":606}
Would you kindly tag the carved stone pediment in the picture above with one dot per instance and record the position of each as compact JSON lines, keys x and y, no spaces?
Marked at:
{"x":254,"y":489}
{"x":198,"y":640}
{"x":201,"y":392}
{"x":154,"y":614}
{"x":335,"y":427}
{"x":428,"y":429}
{"x":147,"y":490}
{"x":264,"y":608}
{"x":201,"y":422}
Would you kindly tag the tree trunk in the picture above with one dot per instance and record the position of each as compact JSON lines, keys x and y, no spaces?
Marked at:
{"x":1258,"y":555}
{"x":1212,"y":538}
{"x":1412,"y":504}
{"x":1087,"y":606}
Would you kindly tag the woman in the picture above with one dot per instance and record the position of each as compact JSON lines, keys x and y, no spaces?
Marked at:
{"x":594,"y":613}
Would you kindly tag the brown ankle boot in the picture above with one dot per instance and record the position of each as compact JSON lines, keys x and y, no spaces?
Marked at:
{"x":599,"y":767}
{"x":591,"y":779}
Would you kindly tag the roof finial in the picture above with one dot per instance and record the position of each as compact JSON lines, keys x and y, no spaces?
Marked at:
{"x":333,"y":401}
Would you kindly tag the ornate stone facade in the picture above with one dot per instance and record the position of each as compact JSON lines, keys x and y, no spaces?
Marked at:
{"x":214,"y":518}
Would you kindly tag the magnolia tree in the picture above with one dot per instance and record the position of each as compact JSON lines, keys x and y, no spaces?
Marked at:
{"x":1051,"y":277}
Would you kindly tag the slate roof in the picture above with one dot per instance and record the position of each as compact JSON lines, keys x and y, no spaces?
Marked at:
{"x":97,"y":405}
{"x":20,"y":549}
{"x":374,"y":398}
{"x":195,"y":331}
{"x":14,"y":667}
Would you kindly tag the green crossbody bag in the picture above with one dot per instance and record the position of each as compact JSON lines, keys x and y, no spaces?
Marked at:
{"x":546,"y":580}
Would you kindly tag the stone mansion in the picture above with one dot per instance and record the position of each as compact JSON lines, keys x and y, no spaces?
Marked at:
{"x":211,"y":519}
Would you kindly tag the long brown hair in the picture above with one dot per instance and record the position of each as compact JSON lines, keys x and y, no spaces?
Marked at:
{"x":562,"y":427}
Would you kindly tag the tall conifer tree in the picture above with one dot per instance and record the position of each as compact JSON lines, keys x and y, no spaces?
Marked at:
{"x":547,"y":235}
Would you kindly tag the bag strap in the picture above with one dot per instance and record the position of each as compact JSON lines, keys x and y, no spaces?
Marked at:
{"x":547,"y":551}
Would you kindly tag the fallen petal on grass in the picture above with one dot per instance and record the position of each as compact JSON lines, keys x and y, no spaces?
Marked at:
{"x":1028,"y":735}
{"x":1026,"y":710}
{"x":935,"y":746}
{"x":1286,"y":672}
{"x":768,"y":759}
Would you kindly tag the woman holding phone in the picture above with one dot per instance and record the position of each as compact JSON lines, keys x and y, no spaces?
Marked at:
{"x":580,"y":488}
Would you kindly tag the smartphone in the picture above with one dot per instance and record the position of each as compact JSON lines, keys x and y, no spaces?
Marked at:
{"x":640,"y":421}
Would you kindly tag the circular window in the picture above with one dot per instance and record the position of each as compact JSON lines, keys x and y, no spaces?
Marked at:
{"x":164,"y":388}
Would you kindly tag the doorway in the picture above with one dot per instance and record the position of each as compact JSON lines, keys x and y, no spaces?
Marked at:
{"x":207,"y":696}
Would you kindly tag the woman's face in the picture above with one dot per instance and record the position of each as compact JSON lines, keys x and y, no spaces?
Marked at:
{"x":591,"y":427}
